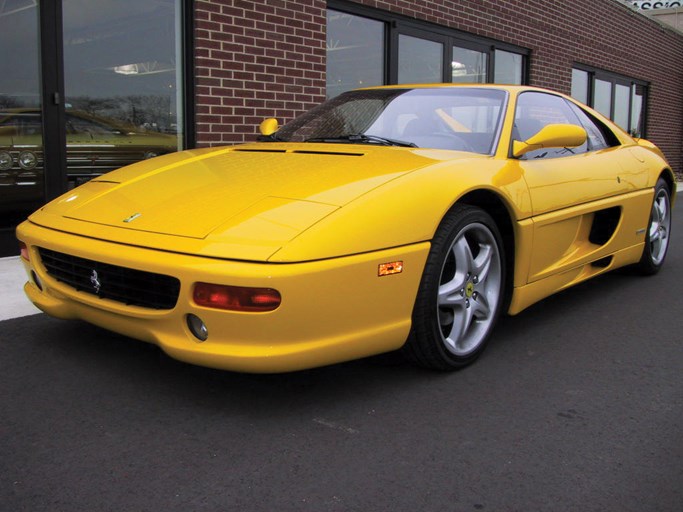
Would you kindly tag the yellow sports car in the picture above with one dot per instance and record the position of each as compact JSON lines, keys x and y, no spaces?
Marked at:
{"x":393,"y":217}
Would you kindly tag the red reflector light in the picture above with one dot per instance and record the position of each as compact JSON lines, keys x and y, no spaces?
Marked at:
{"x":236,"y":298}
{"x":24,"y":251}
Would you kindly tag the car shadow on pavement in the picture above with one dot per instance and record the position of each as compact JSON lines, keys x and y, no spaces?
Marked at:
{"x":103,"y":358}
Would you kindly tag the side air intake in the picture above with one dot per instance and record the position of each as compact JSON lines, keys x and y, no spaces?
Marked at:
{"x":605,"y":223}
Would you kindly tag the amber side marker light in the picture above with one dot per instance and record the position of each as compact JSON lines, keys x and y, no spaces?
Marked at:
{"x":236,"y":298}
{"x":23,"y":250}
{"x":389,"y":269}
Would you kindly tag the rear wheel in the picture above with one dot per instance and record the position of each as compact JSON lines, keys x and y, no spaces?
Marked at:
{"x":460,"y":296}
{"x":658,"y":230}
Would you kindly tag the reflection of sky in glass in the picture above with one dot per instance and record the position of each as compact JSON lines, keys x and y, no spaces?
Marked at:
{"x":636,"y":110}
{"x":602,"y":97}
{"x":19,"y":71}
{"x":419,"y":60}
{"x":469,"y":66}
{"x":117,"y":34}
{"x":120,"y":59}
{"x":621,"y":100}
{"x":355,"y":52}
{"x":580,"y":85}
{"x":508,"y":68}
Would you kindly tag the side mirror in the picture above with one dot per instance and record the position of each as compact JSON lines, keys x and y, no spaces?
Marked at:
{"x":268,"y":126}
{"x":551,"y":136}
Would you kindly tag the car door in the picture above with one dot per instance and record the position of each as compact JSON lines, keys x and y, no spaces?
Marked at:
{"x":578,"y":195}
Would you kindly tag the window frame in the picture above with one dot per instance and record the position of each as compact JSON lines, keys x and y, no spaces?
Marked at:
{"x":425,"y":35}
{"x":397,"y":24}
{"x":616,"y":79}
{"x":53,"y":109}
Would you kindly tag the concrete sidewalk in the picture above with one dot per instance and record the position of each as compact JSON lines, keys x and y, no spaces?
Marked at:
{"x":12,"y":278}
{"x":14,"y":303}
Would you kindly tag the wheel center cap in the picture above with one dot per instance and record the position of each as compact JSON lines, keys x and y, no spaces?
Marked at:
{"x":469,"y":289}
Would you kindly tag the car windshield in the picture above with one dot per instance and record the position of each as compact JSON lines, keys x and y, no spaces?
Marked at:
{"x":465,"y":119}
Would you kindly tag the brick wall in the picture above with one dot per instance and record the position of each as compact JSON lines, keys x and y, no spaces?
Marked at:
{"x":256,"y":59}
{"x":262,"y":58}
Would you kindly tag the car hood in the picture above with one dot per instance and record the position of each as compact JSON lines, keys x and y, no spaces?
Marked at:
{"x":242,"y":202}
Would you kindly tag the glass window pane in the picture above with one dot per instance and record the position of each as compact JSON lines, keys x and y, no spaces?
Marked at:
{"x":594,"y":131}
{"x":580,"y":85}
{"x":508,"y":68}
{"x":419,"y":60}
{"x":536,"y":110}
{"x":355,"y":52}
{"x":602,"y":97}
{"x":21,"y":132}
{"x":469,"y":66}
{"x":637,"y":114}
{"x":466,"y":119}
{"x":622,"y":96}
{"x":123,"y":83}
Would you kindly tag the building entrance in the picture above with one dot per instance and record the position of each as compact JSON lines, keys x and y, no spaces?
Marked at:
{"x":119,"y":94}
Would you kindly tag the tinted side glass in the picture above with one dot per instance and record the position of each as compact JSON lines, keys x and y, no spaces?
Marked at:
{"x":536,"y":110}
{"x":599,"y":135}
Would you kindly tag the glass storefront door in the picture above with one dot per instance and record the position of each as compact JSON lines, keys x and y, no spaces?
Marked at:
{"x":122,"y":82}
{"x":21,"y":140}
{"x":122,"y":99}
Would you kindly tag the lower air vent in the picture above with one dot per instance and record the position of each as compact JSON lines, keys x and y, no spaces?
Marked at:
{"x":603,"y":262}
{"x":121,"y":284}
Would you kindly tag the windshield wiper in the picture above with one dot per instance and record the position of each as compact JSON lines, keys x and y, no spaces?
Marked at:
{"x":362,"y":138}
{"x":273,"y":137}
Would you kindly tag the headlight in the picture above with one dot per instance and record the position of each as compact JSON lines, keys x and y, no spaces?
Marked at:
{"x":5,"y":161}
{"x":28,"y":160}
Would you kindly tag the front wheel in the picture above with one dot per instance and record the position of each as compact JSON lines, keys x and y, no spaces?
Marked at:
{"x":461,"y":292}
{"x":658,"y":231}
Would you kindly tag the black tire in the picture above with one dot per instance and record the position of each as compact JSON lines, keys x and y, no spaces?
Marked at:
{"x":461,"y":292}
{"x":658,"y":231}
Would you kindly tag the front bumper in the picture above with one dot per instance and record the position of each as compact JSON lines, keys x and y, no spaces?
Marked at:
{"x":332,"y":310}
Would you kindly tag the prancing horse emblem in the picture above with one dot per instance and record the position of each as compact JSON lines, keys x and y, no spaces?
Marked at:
{"x":95,"y":281}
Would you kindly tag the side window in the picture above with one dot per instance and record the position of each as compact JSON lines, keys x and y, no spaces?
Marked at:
{"x":599,"y":135}
{"x":536,"y":110}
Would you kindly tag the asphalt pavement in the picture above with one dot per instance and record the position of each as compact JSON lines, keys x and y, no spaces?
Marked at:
{"x":577,"y":405}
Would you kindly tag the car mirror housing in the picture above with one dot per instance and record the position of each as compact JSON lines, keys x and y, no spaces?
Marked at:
{"x":269,"y":126}
{"x":551,"y":136}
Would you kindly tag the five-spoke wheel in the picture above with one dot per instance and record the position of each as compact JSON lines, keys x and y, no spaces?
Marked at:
{"x":461,"y":292}
{"x":658,"y":231}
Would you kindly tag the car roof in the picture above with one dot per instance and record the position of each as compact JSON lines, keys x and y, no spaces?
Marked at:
{"x":504,"y":87}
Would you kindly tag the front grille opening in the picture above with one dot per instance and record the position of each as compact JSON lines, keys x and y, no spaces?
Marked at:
{"x":125,"y":285}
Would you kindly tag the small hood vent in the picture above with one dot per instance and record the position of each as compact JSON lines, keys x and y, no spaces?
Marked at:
{"x":335,"y":153}
{"x":258,"y":150}
{"x":297,"y":151}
